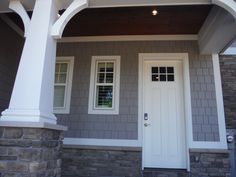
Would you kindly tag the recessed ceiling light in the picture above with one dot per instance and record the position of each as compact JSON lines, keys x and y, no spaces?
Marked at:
{"x":154,"y":12}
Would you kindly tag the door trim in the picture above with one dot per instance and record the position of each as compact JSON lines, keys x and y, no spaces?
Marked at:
{"x":187,"y":94}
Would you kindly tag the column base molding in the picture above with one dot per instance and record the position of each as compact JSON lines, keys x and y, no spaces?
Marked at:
{"x":28,"y":116}
{"x":43,"y":125}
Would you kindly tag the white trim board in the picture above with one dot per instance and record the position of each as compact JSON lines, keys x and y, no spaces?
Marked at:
{"x":230,"y":51}
{"x":29,"y":4}
{"x":219,"y":100}
{"x":102,"y":142}
{"x":129,"y":38}
{"x":135,"y":3}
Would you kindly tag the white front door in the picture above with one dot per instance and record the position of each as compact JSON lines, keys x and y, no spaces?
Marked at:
{"x":163,"y":121}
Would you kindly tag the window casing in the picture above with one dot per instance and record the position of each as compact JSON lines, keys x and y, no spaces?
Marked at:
{"x":104,"y":85}
{"x":63,"y":84}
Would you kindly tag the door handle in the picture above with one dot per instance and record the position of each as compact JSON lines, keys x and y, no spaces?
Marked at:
{"x":146,"y":125}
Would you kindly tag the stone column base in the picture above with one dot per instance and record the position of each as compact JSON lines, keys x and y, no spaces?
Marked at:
{"x":30,"y":152}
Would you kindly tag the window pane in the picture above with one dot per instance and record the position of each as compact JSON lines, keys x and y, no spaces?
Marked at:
{"x":170,"y":69}
{"x":171,"y":78}
{"x":56,"y":78}
{"x":57,"y":67}
{"x":101,"y":78}
{"x":109,"y":78}
{"x":110,"y":67}
{"x":63,"y":67}
{"x":162,"y":69}
{"x":162,"y":77}
{"x":154,"y":70}
{"x":155,"y":77}
{"x":62,"y":78}
{"x":59,"y":96}
{"x":104,"y":96}
{"x":101,"y":67}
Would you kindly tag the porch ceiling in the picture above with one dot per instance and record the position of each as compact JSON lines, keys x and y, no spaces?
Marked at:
{"x":138,"y":21}
{"x":134,"y":21}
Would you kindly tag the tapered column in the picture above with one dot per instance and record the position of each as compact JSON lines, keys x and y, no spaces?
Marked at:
{"x":32,"y":96}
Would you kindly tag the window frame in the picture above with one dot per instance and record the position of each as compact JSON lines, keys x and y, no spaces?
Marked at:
{"x":68,"y":85}
{"x":93,"y":84}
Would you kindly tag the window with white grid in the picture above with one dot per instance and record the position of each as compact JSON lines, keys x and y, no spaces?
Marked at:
{"x":63,"y":84}
{"x":104,"y":85}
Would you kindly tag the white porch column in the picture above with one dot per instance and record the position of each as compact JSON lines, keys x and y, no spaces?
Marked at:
{"x":32,"y":96}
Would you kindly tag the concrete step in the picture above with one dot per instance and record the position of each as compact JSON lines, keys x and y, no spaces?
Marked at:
{"x":157,"y":172}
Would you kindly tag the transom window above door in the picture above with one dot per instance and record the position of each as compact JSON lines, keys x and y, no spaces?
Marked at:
{"x":104,"y":85}
{"x":163,"y":74}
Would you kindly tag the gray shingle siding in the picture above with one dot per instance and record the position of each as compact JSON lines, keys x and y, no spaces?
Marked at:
{"x":10,"y":50}
{"x":204,"y":111}
{"x":125,"y":125}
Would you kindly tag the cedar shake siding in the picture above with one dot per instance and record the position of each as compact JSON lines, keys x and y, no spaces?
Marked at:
{"x":125,"y":125}
{"x":11,"y":45}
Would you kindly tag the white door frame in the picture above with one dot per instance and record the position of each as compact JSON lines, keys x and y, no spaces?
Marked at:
{"x":187,"y":94}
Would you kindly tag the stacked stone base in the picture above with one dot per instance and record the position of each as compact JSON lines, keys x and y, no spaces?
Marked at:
{"x":81,"y":162}
{"x":209,"y":164}
{"x":30,"y":152}
{"x":98,"y":162}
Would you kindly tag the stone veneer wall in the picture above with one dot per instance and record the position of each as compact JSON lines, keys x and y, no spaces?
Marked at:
{"x":228,"y":75}
{"x":80,"y":162}
{"x":119,"y":162}
{"x":209,"y":164}
{"x":30,"y":152}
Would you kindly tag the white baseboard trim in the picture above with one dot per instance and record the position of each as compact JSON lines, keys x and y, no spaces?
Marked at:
{"x":101,"y":142}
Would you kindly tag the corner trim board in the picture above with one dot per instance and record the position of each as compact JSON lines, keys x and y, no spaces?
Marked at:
{"x":219,"y":100}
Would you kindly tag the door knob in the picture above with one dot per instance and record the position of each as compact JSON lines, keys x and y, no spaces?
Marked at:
{"x":146,"y":125}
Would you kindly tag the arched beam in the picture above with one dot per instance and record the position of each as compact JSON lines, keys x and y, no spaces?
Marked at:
{"x":229,"y":5}
{"x":74,"y":8}
{"x":17,"y":7}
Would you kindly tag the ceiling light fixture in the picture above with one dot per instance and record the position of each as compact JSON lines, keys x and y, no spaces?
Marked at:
{"x":154,"y":12}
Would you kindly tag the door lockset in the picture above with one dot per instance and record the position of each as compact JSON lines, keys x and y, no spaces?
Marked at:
{"x":145,"y":116}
